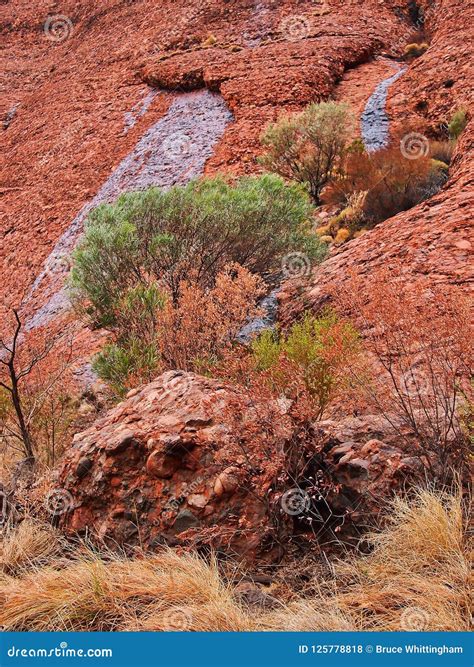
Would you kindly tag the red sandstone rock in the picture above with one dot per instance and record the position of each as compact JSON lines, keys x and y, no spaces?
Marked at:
{"x":171,"y":445}
{"x":201,"y":463}
{"x":161,"y":466}
{"x":72,"y":94}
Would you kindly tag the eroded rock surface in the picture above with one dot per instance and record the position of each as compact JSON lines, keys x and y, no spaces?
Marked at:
{"x":191,"y":461}
{"x":183,"y":459}
{"x":80,"y":84}
{"x":434,"y":241}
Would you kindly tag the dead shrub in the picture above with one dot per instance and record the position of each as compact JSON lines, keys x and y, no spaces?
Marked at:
{"x":419,"y":339}
{"x":391,"y":183}
{"x":155,"y":332}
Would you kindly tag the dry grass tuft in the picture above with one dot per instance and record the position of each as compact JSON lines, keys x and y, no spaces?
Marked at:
{"x":316,"y":615}
{"x":106,"y":592}
{"x":29,"y":545}
{"x":418,"y":574}
{"x":416,"y":577}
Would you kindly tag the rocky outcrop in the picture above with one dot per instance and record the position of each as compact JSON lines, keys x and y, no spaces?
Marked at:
{"x":434,"y":241}
{"x":194,"y":462}
{"x":185,"y":460}
{"x":362,"y":464}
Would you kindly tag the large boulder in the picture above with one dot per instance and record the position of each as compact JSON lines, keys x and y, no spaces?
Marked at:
{"x":184,"y":460}
{"x":192,"y":461}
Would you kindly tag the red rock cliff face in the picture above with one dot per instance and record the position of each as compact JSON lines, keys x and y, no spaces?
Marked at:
{"x":435,"y":240}
{"x":68,"y":81}
{"x":75,"y":102}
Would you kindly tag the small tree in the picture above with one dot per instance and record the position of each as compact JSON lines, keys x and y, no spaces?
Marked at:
{"x":20,"y":405}
{"x":308,"y":147}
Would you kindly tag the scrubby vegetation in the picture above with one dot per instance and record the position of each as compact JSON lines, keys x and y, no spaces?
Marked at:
{"x":374,"y":187}
{"x":308,"y":147}
{"x":174,"y":274}
{"x":457,"y":124}
{"x":416,"y":577}
{"x":419,"y":344}
{"x":153,"y":332}
{"x":415,"y":50}
{"x":314,"y":356}
{"x":164,"y":236}
{"x":314,"y":148}
{"x":36,"y":407}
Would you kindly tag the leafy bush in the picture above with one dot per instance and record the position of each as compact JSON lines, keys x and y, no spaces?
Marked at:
{"x":386,"y":183}
{"x":457,"y":124}
{"x":153,"y":332}
{"x":308,"y":147}
{"x":127,"y":364}
{"x":162,"y":237}
{"x":315,"y":354}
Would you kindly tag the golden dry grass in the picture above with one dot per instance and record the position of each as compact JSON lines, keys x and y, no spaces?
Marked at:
{"x":416,"y":577}
{"x":29,"y":545}
{"x":419,"y":574}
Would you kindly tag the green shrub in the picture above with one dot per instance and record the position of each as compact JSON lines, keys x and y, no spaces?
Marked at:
{"x":308,"y":147}
{"x":164,"y":236}
{"x":356,"y":146}
{"x":320,"y":351}
{"x":266,"y":350}
{"x":457,"y":125}
{"x":119,"y":364}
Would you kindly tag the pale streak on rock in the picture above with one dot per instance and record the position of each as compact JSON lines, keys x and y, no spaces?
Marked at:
{"x":375,"y":123}
{"x":171,"y":152}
